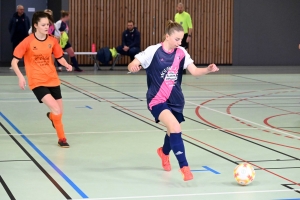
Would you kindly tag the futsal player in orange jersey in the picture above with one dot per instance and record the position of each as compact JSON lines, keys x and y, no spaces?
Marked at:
{"x":42,"y":77}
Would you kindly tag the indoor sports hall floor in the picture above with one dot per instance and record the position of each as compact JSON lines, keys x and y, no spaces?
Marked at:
{"x":238,"y":114}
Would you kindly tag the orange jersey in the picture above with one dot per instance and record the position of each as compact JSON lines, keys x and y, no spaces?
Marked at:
{"x":39,"y":66}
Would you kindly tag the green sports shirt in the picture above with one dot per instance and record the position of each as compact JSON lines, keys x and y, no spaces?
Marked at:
{"x":185,"y":20}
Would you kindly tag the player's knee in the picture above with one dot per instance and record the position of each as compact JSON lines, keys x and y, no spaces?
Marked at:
{"x":119,"y":48}
{"x":175,"y":127}
{"x":133,"y":51}
{"x":55,"y":109}
{"x":71,"y":53}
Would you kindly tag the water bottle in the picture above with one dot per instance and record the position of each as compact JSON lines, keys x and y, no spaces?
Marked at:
{"x":93,"y":47}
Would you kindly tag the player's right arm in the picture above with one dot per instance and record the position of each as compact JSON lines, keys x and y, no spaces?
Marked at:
{"x":14,"y":64}
{"x":18,"y":54}
{"x":134,"y":66}
{"x":143,"y":59}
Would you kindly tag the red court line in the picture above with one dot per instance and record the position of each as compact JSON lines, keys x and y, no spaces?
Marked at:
{"x":189,"y":136}
{"x":239,"y":134}
{"x":268,"y":124}
{"x":247,"y":99}
{"x":228,"y":110}
{"x":294,"y":182}
{"x":232,"y":95}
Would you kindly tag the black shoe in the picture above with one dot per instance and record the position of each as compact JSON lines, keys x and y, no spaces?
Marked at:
{"x":78,"y":70}
{"x":63,"y":143}
{"x":48,"y":115}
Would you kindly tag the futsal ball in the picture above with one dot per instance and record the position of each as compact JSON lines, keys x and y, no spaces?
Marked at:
{"x":244,"y":174}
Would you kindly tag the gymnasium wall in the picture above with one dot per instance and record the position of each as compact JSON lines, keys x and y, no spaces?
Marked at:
{"x":261,"y":32}
{"x":36,"y":4}
{"x":266,"y":32}
{"x":8,"y":8}
{"x":0,"y":31}
{"x":102,"y":22}
{"x":56,"y":7}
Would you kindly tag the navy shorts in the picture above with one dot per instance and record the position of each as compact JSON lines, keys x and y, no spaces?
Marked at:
{"x":68,"y":45}
{"x":157,"y":109}
{"x":42,"y":91}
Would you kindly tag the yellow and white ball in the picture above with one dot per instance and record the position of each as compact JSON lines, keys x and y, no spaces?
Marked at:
{"x":244,"y":174}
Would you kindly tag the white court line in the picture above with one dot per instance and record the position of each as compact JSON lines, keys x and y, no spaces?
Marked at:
{"x":35,"y":100}
{"x":130,"y":92}
{"x":129,"y":99}
{"x":143,"y":92}
{"x":190,"y":195}
{"x":266,"y":127}
{"x":141,"y":131}
{"x":88,"y":100}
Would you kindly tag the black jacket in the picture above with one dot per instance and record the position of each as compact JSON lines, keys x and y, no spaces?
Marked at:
{"x":13,"y":24}
{"x":131,"y":38}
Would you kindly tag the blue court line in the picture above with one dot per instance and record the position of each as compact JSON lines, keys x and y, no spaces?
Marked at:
{"x":290,"y":199}
{"x":85,"y":107}
{"x":206,"y":168}
{"x":71,"y":183}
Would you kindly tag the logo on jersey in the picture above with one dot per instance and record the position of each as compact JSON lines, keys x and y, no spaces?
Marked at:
{"x":34,"y":48}
{"x":163,"y":73}
{"x":49,"y":45}
{"x":169,"y":76}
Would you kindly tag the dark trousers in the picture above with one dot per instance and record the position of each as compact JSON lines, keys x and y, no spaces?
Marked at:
{"x":185,"y":45}
{"x":16,"y":41}
{"x":131,"y":52}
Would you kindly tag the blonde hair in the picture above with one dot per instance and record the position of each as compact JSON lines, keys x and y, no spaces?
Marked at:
{"x":48,"y":11}
{"x":172,"y":26}
{"x":64,"y":13}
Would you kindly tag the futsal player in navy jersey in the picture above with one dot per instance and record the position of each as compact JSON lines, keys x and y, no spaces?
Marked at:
{"x":164,"y":64}
{"x":62,"y":26}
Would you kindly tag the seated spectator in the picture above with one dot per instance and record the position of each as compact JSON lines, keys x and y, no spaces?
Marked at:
{"x":63,"y":27}
{"x":131,"y":39}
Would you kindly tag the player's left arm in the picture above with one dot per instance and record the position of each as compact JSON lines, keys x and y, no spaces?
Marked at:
{"x":190,"y":30}
{"x":195,"y":71}
{"x":64,"y":63}
{"x":59,"y":55}
{"x":190,"y":25}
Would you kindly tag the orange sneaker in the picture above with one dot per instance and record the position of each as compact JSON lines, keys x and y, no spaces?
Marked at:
{"x":164,"y":159}
{"x":186,"y":173}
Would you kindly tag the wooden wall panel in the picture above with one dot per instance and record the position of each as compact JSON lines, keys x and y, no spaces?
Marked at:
{"x":103,"y":21}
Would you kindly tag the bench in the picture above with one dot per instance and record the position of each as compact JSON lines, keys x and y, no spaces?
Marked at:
{"x":92,"y":55}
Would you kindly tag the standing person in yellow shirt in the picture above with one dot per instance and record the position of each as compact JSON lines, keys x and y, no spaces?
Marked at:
{"x":185,"y":20}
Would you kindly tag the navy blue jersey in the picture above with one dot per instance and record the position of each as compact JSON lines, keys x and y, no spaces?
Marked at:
{"x":164,"y":75}
{"x":62,"y":26}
